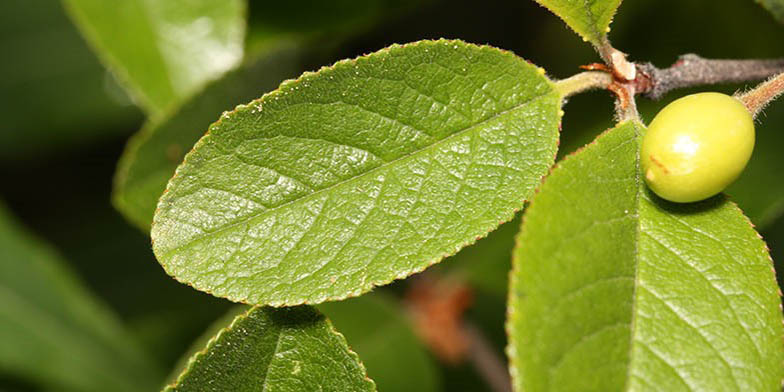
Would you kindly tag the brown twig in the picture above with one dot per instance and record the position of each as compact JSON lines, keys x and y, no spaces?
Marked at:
{"x":757,"y":98}
{"x":692,"y":70}
{"x":436,"y":306}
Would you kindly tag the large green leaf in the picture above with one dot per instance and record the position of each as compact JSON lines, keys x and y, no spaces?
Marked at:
{"x":163,"y":50}
{"x":589,"y":18}
{"x":53,"y":332}
{"x":776,"y":7}
{"x":615,"y":289}
{"x":377,"y":328}
{"x":153,"y":154}
{"x":359,"y":174}
{"x":266,"y":349}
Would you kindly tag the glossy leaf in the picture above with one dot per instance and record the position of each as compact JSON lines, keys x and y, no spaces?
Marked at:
{"x":163,"y":51}
{"x":615,"y":289}
{"x":776,"y":7}
{"x":267,"y":349}
{"x":589,"y":18}
{"x":55,"y":333}
{"x":376,"y":327}
{"x":153,"y":154}
{"x":359,"y":174}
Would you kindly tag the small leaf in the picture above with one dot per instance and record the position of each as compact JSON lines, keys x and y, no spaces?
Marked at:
{"x":153,"y":154}
{"x":266,"y":349}
{"x":163,"y":50}
{"x":589,"y":18}
{"x":359,"y":174}
{"x":377,"y":328}
{"x":55,"y":333}
{"x":775,"y":7}
{"x":615,"y":289}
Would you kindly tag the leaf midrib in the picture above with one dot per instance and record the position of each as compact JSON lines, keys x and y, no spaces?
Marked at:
{"x":366,"y":174}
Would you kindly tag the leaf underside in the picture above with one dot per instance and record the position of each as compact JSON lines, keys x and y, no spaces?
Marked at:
{"x":266,"y":349}
{"x":359,"y":174}
{"x":589,"y":18}
{"x":163,"y":51}
{"x":615,"y":289}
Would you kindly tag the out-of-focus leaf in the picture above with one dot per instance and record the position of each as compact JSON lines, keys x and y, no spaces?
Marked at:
{"x":203,"y":340}
{"x":359,"y":174}
{"x":759,"y":191}
{"x":269,"y":22}
{"x":53,"y":332}
{"x":615,"y":289}
{"x":486,"y":263}
{"x":589,"y":18}
{"x":163,"y":51}
{"x":776,"y":7}
{"x":377,"y":328}
{"x":54,"y":92}
{"x":268,"y":349}
{"x":153,"y":154}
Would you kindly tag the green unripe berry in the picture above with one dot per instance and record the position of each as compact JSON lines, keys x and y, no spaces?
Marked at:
{"x":696,"y":146}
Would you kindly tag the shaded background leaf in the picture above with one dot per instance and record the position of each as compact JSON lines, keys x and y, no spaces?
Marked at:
{"x":54,"y":333}
{"x":377,"y":328}
{"x":155,"y":152}
{"x":59,"y":104}
{"x":288,"y":349}
{"x":163,"y":51}
{"x":284,"y":39}
{"x":434,"y":127}
{"x":589,"y":18}
{"x":614,"y":288}
{"x":776,"y":7}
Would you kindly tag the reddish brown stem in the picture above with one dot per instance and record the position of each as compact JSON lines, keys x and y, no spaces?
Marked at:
{"x":756,"y":99}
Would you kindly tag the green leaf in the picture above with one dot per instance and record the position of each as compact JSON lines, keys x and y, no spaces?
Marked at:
{"x":53,"y":331}
{"x":153,"y":154}
{"x":63,"y":101}
{"x":204,"y":339}
{"x":359,"y":174}
{"x":763,"y":172}
{"x":377,"y":328}
{"x":589,"y":18}
{"x":306,"y":20}
{"x":485,"y":264}
{"x":615,"y":289}
{"x":776,"y":7}
{"x":163,"y":51}
{"x":267,"y":349}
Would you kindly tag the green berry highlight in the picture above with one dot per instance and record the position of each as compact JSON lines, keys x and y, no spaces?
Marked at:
{"x":696,"y":146}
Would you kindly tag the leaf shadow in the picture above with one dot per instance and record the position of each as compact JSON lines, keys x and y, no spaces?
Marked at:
{"x":684,"y":209}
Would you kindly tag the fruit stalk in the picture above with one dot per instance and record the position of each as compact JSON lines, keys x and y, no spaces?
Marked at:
{"x":757,"y":98}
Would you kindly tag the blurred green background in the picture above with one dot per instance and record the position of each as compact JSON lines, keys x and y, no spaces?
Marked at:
{"x":66,"y":120}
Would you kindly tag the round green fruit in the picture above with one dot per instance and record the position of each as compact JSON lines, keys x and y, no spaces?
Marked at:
{"x":696,"y":146}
